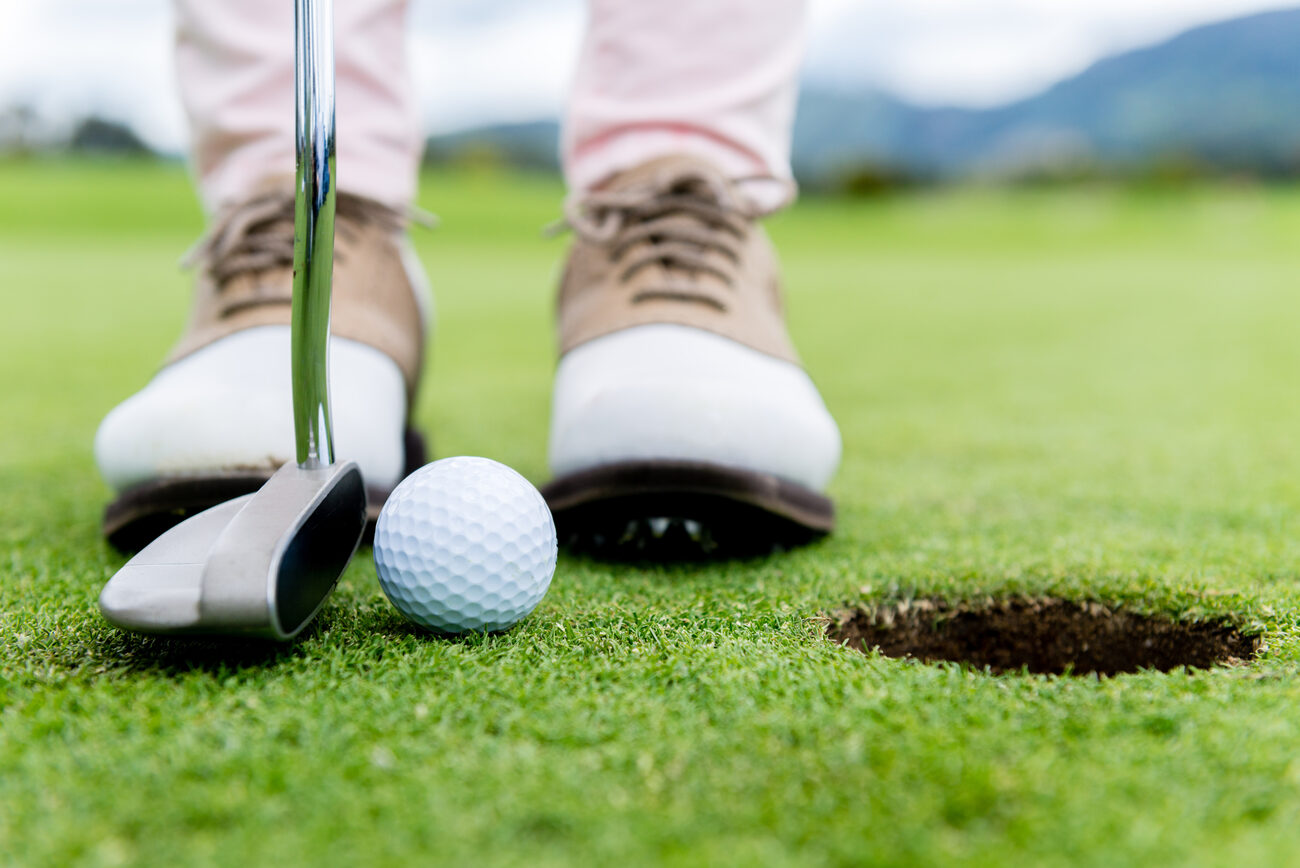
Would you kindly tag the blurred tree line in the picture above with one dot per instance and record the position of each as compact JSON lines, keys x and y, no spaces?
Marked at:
{"x":24,"y":132}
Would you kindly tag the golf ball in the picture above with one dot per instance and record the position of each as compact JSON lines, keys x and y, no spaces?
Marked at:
{"x":465,"y":544}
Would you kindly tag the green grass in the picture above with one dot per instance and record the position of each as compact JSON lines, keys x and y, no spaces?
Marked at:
{"x":1091,"y":394}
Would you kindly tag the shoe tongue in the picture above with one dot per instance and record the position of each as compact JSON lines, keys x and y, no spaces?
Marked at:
{"x":664,"y":173}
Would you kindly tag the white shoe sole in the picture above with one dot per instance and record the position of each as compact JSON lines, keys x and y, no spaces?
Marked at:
{"x":669,"y":392}
{"x":218,"y":422}
{"x":680,"y":441}
{"x":229,"y":406}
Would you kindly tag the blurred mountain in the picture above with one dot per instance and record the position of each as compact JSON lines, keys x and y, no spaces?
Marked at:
{"x":96,"y":135}
{"x":532,"y":144}
{"x":1225,"y":95}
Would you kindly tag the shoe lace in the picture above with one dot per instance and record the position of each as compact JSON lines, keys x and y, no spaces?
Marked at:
{"x":258,"y":235}
{"x":643,"y":227}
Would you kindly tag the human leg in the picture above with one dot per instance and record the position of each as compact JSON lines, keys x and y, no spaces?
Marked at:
{"x":679,"y":394}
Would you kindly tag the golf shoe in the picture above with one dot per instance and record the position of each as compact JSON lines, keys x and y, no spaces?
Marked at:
{"x":679,"y":401}
{"x":217,"y":420}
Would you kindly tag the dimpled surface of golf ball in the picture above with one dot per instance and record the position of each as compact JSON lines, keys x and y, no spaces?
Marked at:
{"x":465,"y":544}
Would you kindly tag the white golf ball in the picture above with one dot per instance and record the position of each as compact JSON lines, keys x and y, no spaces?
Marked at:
{"x":465,"y":544}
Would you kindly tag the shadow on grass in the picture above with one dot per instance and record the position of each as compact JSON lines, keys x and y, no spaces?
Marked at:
{"x":391,"y":624}
{"x":107,"y":651}
{"x":121,"y":651}
{"x":678,"y":554}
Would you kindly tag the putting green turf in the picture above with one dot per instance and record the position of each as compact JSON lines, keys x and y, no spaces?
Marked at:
{"x":1091,"y":394}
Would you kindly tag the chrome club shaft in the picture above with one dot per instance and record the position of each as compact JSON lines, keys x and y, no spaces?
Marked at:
{"x":315,"y":197}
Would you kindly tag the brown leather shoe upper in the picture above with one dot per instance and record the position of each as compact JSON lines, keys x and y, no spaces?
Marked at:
{"x":671,"y":241}
{"x":246,"y":278}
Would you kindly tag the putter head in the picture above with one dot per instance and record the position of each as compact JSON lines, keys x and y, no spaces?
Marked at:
{"x":260,"y":565}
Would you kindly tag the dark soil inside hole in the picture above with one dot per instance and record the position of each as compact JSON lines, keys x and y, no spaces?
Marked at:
{"x":1045,"y":635}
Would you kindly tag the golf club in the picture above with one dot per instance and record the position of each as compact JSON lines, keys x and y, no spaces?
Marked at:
{"x":263,"y":564}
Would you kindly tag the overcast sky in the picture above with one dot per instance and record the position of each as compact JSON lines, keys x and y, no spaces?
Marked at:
{"x":511,"y":59}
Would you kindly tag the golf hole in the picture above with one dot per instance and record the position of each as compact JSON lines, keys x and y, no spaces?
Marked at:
{"x":1045,"y":635}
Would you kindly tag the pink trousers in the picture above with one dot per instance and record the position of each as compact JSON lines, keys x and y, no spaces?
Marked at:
{"x":714,"y":78}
